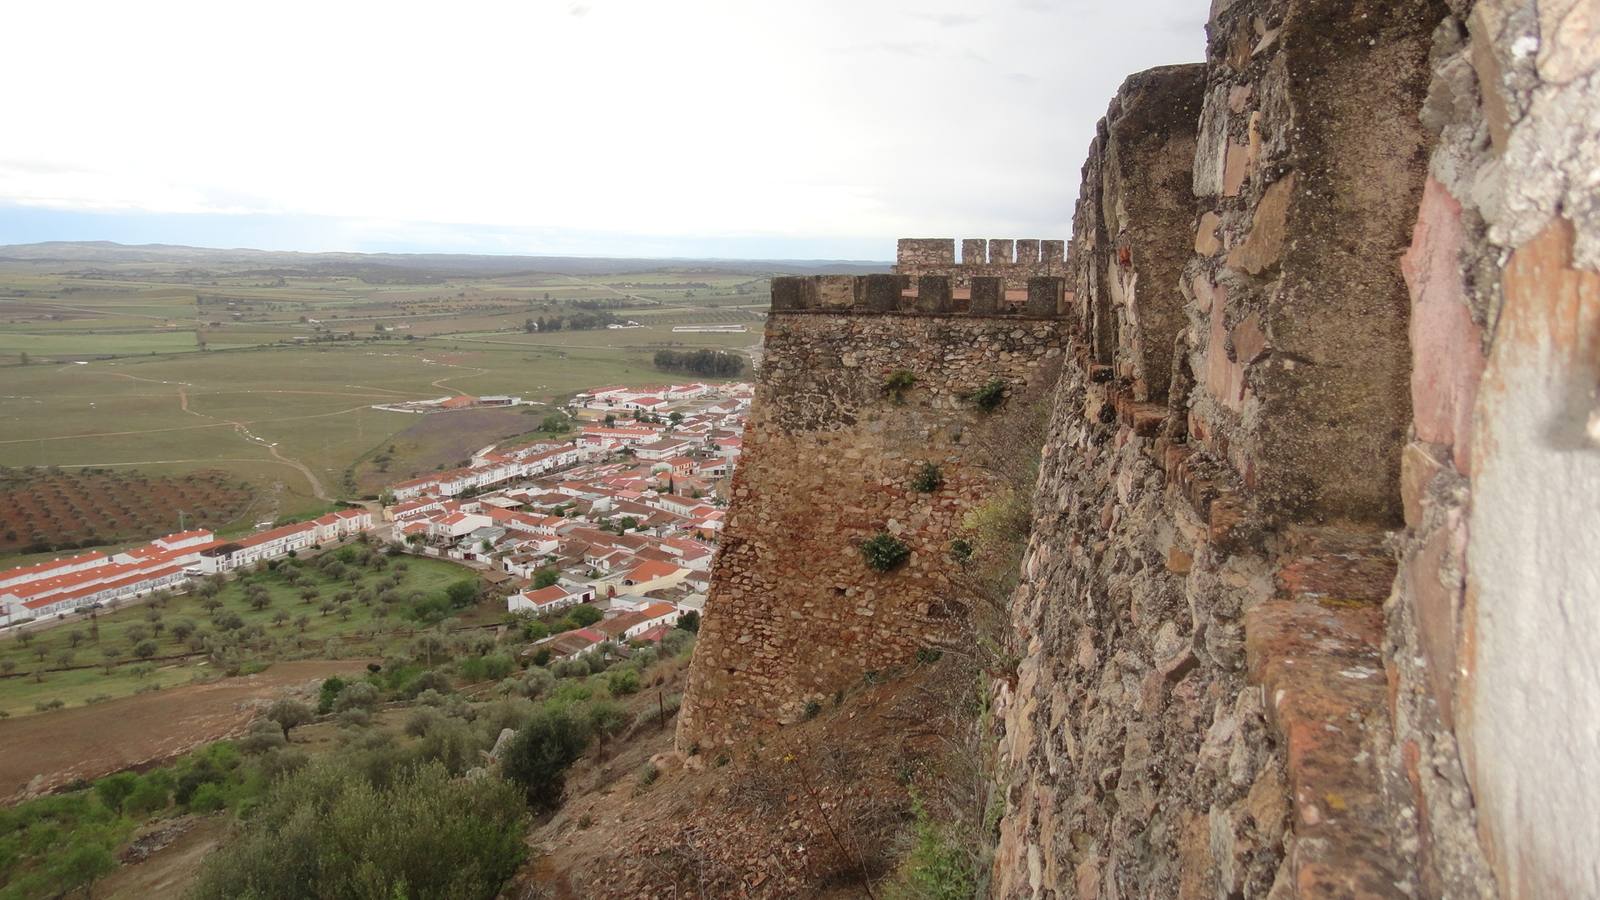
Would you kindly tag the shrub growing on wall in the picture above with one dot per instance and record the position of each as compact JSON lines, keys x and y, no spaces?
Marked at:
{"x":989,"y":397}
{"x":928,"y":479}
{"x":883,"y":551}
{"x":898,"y":382}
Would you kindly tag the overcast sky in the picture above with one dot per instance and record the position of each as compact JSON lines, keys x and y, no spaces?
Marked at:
{"x":801,"y":129}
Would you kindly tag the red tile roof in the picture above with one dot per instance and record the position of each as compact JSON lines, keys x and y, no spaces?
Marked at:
{"x":650,"y":570}
{"x":40,"y":568}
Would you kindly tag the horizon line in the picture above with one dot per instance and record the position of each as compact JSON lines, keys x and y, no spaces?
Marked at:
{"x":485,"y":253}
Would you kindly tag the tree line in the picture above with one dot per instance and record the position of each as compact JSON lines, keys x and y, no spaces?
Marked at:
{"x":584,"y":321}
{"x":707,"y":363}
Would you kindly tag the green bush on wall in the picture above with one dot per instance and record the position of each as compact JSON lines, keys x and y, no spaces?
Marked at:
{"x":883,"y":551}
{"x":898,"y":382}
{"x":989,"y":397}
{"x":928,"y":479}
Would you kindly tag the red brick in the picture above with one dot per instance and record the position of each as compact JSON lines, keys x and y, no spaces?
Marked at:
{"x":1323,"y":564}
{"x":1320,"y":671}
{"x":1148,"y":418}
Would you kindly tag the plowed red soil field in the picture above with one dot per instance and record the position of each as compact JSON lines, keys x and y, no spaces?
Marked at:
{"x":41,"y":753}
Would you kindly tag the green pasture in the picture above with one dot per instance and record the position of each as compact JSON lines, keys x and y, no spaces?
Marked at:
{"x":306,"y":632}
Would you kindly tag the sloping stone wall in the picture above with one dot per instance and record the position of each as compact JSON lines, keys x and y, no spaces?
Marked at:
{"x":831,"y":458}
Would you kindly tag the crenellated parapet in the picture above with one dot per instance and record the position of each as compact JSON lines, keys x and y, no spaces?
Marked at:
{"x":1042,"y":297}
{"x":1012,"y":261}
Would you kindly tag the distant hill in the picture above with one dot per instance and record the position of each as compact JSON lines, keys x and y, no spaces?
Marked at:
{"x":92,"y":253}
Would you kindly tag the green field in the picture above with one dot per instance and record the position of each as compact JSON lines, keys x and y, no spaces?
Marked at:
{"x":69,"y":662}
{"x":170,"y":368}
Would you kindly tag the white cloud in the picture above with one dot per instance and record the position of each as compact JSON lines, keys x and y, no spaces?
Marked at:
{"x":845,"y":119}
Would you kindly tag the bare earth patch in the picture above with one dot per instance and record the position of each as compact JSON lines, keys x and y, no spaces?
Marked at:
{"x":180,"y":846}
{"x":811,"y":811}
{"x":48,"y":751}
{"x":444,"y":439}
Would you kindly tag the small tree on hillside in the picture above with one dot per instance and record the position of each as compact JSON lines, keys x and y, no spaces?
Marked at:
{"x":541,"y":752}
{"x":83,"y":865}
{"x":462,"y":593}
{"x":289,"y":714}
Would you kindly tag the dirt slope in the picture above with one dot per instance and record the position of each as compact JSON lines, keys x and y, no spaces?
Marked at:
{"x":812,"y":811}
{"x":44,"y":752}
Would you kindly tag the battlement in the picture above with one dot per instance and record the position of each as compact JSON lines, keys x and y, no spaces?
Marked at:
{"x":1013,"y":261}
{"x":925,"y":252}
{"x":1042,"y":297}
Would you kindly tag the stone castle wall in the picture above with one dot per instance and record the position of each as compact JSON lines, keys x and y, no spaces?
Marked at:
{"x":1492,"y":614}
{"x":1199,"y":708}
{"x":1131,"y":224}
{"x":1306,"y":608}
{"x":1013,"y":261}
{"x":831,"y":458}
{"x":1228,"y":687}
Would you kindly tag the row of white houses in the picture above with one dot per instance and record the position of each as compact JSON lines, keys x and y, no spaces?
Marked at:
{"x":92,"y":580}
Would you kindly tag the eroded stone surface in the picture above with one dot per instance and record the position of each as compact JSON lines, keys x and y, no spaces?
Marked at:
{"x":831,"y":457}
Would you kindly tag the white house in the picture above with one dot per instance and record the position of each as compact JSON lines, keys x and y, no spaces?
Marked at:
{"x":687,"y":391}
{"x":629,"y":625}
{"x":458,"y":524}
{"x":667,"y":448}
{"x":257,"y":548}
{"x":549,"y":599}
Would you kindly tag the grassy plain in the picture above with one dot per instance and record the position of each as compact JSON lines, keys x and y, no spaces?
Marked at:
{"x":169,"y":368}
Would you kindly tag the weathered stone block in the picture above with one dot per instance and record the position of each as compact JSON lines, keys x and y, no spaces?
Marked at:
{"x":1420,"y":463}
{"x":1320,"y":666}
{"x":792,"y":292}
{"x":926,"y":251}
{"x":933,"y":294}
{"x":881,"y":293}
{"x":1044,"y":296}
{"x":1263,"y":245}
{"x":1206,"y":240}
{"x":988,"y":296}
{"x":838,"y":291}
